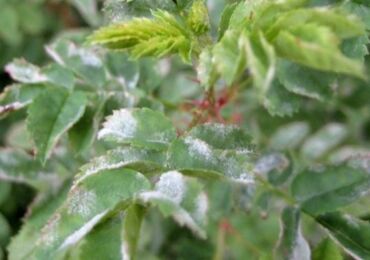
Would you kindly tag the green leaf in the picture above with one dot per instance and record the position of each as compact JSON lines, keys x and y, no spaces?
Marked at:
{"x":89,"y":202}
{"x":351,"y":233}
{"x":83,"y":133}
{"x":24,"y":242}
{"x":289,"y":136}
{"x":25,"y":72}
{"x":280,"y":102}
{"x":84,"y":62}
{"x":206,"y":70}
{"x":89,"y":10}
{"x":15,"y":97}
{"x":292,"y":245}
{"x":157,"y":37}
{"x":182,"y":198}
{"x":139,"y":127}
{"x":305,"y":81}
{"x":19,"y":167}
{"x":228,"y":57}
{"x":221,"y":136}
{"x":50,"y":115}
{"x":5,"y":231}
{"x":261,"y":60}
{"x":225,"y":19}
{"x":329,"y":189}
{"x":327,"y":138}
{"x":139,"y":159}
{"x":103,"y":242}
{"x":197,"y":18}
{"x":316,"y":47}
{"x":356,"y":48}
{"x":195,"y":157}
{"x":131,"y":230}
{"x":327,"y":250}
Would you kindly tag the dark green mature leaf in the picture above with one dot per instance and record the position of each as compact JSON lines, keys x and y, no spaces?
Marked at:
{"x":131,"y":230}
{"x":305,"y":81}
{"x":88,"y":203}
{"x":329,"y":189}
{"x":19,"y":167}
{"x":139,"y":159}
{"x":51,"y":114}
{"x":327,"y":250}
{"x":139,"y":127}
{"x":24,"y":242}
{"x":182,"y":198}
{"x":351,"y":233}
{"x":103,"y":242}
{"x":5,"y":231}
{"x":158,"y":37}
{"x":292,"y":245}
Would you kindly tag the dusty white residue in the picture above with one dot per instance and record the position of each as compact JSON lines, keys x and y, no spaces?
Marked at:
{"x":198,"y":148}
{"x":81,"y":202}
{"x":80,"y":233}
{"x":88,"y":57}
{"x":183,"y":218}
{"x":172,"y":185}
{"x":271,"y":162}
{"x":301,"y":249}
{"x":201,"y":207}
{"x":121,"y":124}
{"x":244,"y":178}
{"x":49,"y":232}
{"x":25,"y":72}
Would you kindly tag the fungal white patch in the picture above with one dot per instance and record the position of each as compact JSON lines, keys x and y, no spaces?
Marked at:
{"x":80,"y":233}
{"x":172,"y":185}
{"x":198,"y":148}
{"x":271,"y":162}
{"x":121,"y":124}
{"x":81,"y":202}
{"x":25,"y":72}
{"x":245,"y":178}
{"x":88,"y":57}
{"x":301,"y":249}
{"x":201,"y":207}
{"x":49,"y":233}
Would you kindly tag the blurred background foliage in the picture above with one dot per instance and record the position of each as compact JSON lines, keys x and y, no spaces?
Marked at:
{"x":240,"y":227}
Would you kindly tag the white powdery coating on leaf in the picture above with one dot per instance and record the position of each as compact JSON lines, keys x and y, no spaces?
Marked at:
{"x":198,"y":148}
{"x":49,"y":232}
{"x":172,"y":185}
{"x":88,"y":57}
{"x":271,"y":162}
{"x":80,"y":233}
{"x":81,"y":202}
{"x":245,"y":178}
{"x":183,"y":218}
{"x":121,"y":124}
{"x":26,"y":72}
{"x":301,"y":249}
{"x":201,"y":208}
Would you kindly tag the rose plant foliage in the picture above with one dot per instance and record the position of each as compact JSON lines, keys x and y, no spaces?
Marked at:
{"x":192,"y":129}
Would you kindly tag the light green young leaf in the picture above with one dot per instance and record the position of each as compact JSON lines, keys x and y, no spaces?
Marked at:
{"x":327,"y":250}
{"x":327,"y":138}
{"x":139,"y":127}
{"x":329,"y":189}
{"x":197,"y":18}
{"x":132,"y":221}
{"x":206,"y":70}
{"x":229,"y":56}
{"x":158,"y":37}
{"x":225,"y":19}
{"x":353,"y":234}
{"x":88,"y":203}
{"x":292,"y":245}
{"x":50,"y":115}
{"x":182,"y":198}
{"x":316,"y":47}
